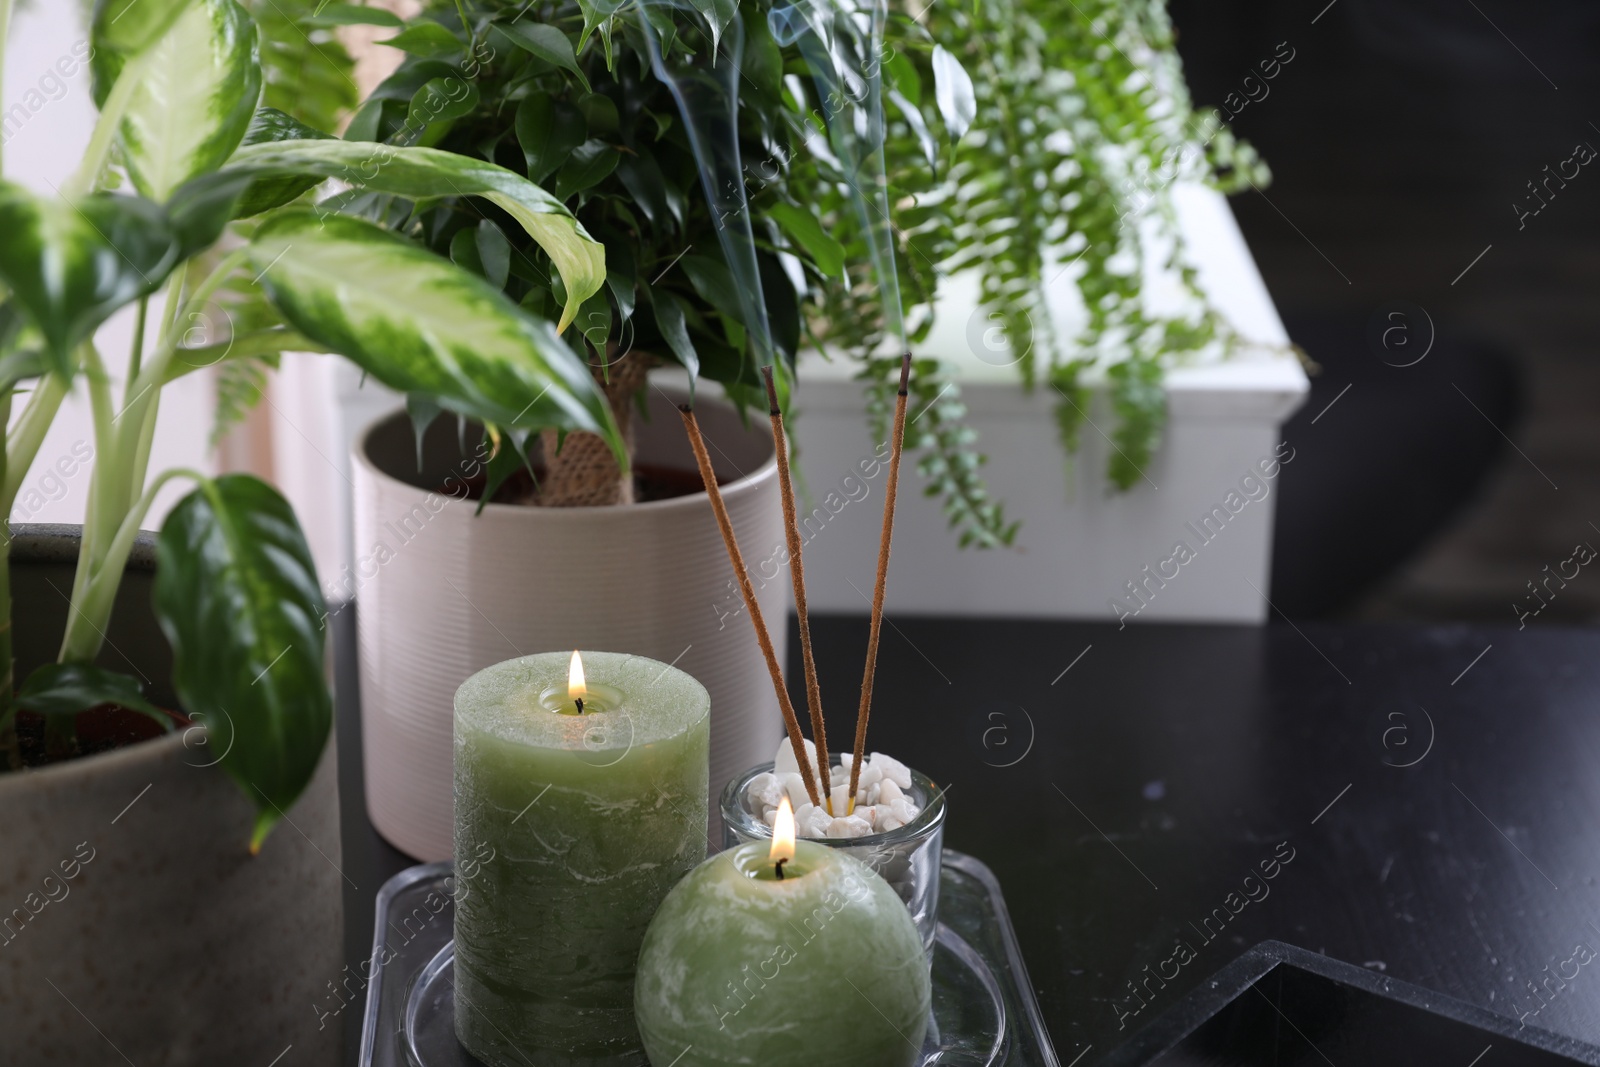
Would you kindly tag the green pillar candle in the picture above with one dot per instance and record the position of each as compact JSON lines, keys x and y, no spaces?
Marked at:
{"x":570,"y":829}
{"x":821,"y":967}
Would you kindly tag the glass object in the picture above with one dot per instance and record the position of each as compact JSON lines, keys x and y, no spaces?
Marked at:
{"x":908,"y":858}
{"x":984,"y":1011}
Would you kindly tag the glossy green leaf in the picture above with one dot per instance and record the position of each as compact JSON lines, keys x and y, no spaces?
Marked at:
{"x":195,"y":99}
{"x":494,"y":253}
{"x":591,"y":162}
{"x":545,"y":42}
{"x":131,"y":26}
{"x":200,"y":209}
{"x":70,"y":266}
{"x":548,"y":131}
{"x":420,"y":173}
{"x":718,"y":14}
{"x":420,"y":325}
{"x":595,"y":14}
{"x":270,"y":126}
{"x":236,"y":594}
{"x":441,"y":100}
{"x":807,"y":231}
{"x":428,"y":40}
{"x":670,"y":321}
{"x":64,"y":689}
{"x":952,"y":89}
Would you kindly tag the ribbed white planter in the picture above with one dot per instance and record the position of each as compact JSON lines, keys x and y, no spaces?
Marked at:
{"x":445,"y":591}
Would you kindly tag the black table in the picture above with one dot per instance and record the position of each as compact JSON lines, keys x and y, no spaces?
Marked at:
{"x":1426,"y":801}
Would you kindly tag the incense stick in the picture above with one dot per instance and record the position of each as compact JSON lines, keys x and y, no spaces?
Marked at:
{"x":891,"y":487}
{"x":797,"y":572}
{"x":725,"y":525}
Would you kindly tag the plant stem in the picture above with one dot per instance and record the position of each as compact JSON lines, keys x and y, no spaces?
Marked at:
{"x":22,"y":443}
{"x":105,"y":129}
{"x":86,"y":628}
{"x":138,"y":344}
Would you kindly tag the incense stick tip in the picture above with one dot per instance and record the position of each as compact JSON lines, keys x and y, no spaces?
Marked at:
{"x":772,"y":391}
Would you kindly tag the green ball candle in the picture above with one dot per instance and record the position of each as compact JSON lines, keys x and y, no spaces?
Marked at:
{"x":755,"y":959}
{"x":579,"y":803}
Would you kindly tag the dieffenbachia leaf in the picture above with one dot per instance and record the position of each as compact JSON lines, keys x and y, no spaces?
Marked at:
{"x":422,"y":173}
{"x":198,"y":89}
{"x":131,"y":26}
{"x":418,"y":324}
{"x":236,"y":594}
{"x":61,"y":690}
{"x":71,"y":265}
{"x":270,"y":126}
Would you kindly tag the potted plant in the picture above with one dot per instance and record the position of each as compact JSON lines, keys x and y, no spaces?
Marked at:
{"x":163,"y":698}
{"x":708,"y":147}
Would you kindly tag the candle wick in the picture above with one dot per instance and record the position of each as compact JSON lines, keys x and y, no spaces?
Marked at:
{"x":579,"y":702}
{"x":779,"y":868}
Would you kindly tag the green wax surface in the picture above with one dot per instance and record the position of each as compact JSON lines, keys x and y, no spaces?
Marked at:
{"x":569,"y":832}
{"x":823,"y":967}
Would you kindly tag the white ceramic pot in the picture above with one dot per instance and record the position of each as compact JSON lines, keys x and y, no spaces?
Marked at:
{"x":445,"y":591}
{"x":135,"y":926}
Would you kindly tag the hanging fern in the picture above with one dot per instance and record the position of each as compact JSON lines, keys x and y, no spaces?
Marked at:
{"x":1083,"y":124}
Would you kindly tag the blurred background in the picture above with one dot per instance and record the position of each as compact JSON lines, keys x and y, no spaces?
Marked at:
{"x":1403,"y":139}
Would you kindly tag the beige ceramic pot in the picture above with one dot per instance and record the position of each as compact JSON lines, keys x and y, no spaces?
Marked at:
{"x":135,"y":926}
{"x":445,"y":591}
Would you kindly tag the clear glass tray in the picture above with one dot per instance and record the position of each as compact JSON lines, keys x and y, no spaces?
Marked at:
{"x":984,"y":1012}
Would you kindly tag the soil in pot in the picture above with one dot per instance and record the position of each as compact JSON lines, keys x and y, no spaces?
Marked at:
{"x":100,"y":729}
{"x":650,"y":482}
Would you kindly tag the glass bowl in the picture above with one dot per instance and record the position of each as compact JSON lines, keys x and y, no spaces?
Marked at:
{"x":907,"y":858}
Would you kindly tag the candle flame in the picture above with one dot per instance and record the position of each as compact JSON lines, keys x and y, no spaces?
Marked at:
{"x":576,"y":689}
{"x":783,"y":833}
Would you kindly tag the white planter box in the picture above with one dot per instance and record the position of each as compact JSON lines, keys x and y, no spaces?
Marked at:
{"x":1080,"y":543}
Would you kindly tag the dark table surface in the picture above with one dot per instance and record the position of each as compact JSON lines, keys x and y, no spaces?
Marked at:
{"x":1427,"y":801}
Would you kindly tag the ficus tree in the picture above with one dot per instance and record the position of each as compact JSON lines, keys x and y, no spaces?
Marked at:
{"x":190,"y":187}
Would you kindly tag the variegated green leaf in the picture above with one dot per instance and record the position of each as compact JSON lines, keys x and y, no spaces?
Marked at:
{"x":71,"y":265}
{"x":131,"y":26}
{"x":422,"y":325}
{"x":419,"y":173}
{"x":198,"y":89}
{"x":237,"y":596}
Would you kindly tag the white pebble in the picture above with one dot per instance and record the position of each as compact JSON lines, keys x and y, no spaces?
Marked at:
{"x":765,"y":791}
{"x":816,"y":824}
{"x":784,"y":762}
{"x":795,"y":786}
{"x":849,"y":826}
{"x":881,"y":803}
{"x":892,"y":769}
